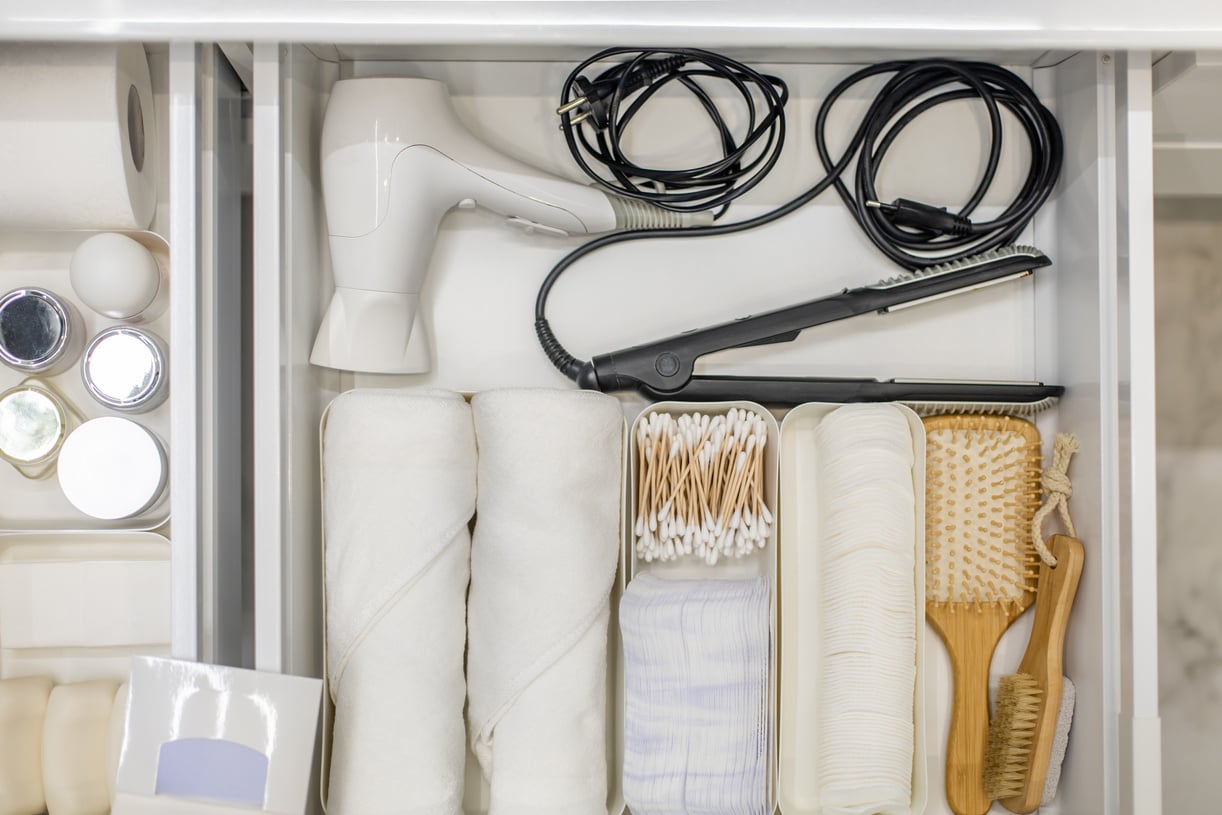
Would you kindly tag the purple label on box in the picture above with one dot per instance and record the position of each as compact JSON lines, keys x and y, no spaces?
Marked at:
{"x":212,"y":770}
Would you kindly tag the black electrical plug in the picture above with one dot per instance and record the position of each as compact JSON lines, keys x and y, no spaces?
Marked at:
{"x":916,"y":215}
{"x":594,"y":99}
{"x":592,"y":103}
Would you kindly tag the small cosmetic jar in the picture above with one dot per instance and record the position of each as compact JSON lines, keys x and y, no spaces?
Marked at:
{"x":125,"y":369}
{"x":33,"y":424}
{"x":39,"y":332}
{"x":112,"y":468}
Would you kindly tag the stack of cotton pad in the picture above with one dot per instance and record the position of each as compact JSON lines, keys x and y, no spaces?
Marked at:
{"x":867,"y":645}
{"x":696,"y":674}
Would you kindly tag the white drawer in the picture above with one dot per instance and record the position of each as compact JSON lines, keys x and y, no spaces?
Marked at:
{"x":1086,"y":323}
{"x":199,"y":158}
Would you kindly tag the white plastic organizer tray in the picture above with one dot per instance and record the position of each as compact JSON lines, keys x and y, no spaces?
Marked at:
{"x":76,"y":606}
{"x":800,"y":564}
{"x":763,"y":563}
{"x":41,"y":259}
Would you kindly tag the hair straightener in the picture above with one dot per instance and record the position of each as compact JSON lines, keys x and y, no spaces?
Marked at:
{"x":665,"y":369}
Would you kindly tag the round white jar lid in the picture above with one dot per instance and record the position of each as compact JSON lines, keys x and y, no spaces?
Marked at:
{"x":112,"y":468}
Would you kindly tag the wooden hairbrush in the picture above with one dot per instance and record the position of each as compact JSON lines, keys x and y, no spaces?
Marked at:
{"x":982,"y":491}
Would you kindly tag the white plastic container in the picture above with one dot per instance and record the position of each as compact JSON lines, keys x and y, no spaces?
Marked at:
{"x":761,"y":563}
{"x":76,"y":606}
{"x":799,"y":566}
{"x":43,"y":258}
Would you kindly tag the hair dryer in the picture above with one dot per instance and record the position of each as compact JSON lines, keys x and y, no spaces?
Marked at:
{"x":395,"y":160}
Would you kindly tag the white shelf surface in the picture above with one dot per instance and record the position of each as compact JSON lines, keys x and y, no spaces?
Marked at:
{"x":935,"y":24}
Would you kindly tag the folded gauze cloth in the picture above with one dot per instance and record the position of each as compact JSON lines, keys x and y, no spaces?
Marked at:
{"x":542,"y":564}
{"x":398,"y":496}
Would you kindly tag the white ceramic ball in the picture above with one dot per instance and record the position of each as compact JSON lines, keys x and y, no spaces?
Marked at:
{"x":115,"y":276}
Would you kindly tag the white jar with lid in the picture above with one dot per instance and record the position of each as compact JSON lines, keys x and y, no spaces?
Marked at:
{"x":112,"y":469}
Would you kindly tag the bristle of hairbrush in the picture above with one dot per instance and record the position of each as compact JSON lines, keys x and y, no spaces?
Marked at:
{"x":982,"y":490}
{"x":1007,"y":760}
{"x":1021,"y":409}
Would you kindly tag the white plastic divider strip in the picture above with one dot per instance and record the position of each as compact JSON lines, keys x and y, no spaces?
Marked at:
{"x":185,"y":441}
{"x":1110,"y":459}
{"x":222,"y":167}
{"x":267,"y":340}
{"x":1141,"y":758}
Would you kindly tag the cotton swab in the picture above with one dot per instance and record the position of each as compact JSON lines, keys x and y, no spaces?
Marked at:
{"x":700,"y":486}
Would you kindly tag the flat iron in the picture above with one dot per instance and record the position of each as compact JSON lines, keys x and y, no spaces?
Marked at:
{"x":665,"y":369}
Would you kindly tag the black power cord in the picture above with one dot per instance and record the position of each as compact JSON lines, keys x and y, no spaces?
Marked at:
{"x":913,"y":234}
{"x":611,"y":100}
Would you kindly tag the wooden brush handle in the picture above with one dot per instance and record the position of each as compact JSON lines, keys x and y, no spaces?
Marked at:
{"x":971,"y":633}
{"x":1045,"y":657}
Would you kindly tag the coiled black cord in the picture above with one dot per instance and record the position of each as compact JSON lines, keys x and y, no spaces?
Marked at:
{"x":912,"y":234}
{"x":613,"y":98}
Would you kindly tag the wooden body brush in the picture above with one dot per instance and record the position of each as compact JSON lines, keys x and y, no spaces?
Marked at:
{"x":1034,"y":707}
{"x":982,"y":491}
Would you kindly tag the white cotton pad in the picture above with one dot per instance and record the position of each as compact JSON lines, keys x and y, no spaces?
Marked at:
{"x":114,"y":739}
{"x":867,"y":668}
{"x":74,"y":744}
{"x":23,"y":704}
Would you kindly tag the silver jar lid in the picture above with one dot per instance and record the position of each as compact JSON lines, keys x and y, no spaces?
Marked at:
{"x":124,"y":369}
{"x":36,"y":330}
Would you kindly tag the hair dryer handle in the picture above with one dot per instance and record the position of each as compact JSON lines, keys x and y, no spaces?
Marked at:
{"x":505,"y":186}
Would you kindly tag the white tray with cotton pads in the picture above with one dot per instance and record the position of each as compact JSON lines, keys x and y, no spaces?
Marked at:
{"x":76,"y":606}
{"x":50,"y":260}
{"x":802,"y":556}
{"x":760,"y":563}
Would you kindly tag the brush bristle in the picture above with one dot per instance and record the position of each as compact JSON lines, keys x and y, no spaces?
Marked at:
{"x":1007,"y":760}
{"x":982,"y":491}
{"x":1060,"y":741}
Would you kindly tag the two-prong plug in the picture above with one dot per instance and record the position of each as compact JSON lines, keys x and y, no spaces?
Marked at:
{"x":594,"y":98}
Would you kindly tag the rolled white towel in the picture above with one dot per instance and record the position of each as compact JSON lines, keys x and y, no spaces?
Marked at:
{"x":542,"y":564}
{"x":399,"y":494}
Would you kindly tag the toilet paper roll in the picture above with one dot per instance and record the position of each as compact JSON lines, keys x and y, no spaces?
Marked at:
{"x":23,"y":704}
{"x":77,"y":136}
{"x":74,"y":745}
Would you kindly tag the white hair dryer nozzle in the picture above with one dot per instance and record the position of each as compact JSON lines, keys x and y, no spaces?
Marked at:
{"x":377,"y":332}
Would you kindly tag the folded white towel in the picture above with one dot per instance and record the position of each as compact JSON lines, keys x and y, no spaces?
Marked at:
{"x":542,"y":564}
{"x":399,"y":494}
